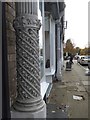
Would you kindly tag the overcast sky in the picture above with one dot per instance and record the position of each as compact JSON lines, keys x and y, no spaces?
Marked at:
{"x":76,"y":14}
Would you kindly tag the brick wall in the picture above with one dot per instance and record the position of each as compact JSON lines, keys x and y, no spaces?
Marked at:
{"x":10,"y":16}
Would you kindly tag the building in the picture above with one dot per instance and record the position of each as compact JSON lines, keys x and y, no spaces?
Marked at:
{"x":30,"y":62}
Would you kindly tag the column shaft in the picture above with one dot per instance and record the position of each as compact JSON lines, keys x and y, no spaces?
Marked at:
{"x":27,"y":27}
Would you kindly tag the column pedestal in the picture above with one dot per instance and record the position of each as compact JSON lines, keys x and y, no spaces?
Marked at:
{"x":35,"y":114}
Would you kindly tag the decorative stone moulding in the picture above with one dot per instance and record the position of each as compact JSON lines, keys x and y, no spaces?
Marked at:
{"x":28,"y":69}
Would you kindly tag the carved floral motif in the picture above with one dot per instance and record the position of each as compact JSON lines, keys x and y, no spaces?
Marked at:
{"x":27,"y":55}
{"x":23,"y":21}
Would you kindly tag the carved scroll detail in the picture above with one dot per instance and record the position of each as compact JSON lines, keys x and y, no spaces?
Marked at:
{"x":27,"y":55}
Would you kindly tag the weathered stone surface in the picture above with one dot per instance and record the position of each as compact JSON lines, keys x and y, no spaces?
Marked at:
{"x":11,"y":50}
{"x":11,"y":57}
{"x":10,"y":8}
{"x":11,"y":41}
{"x":86,"y":83}
{"x":10,"y":32}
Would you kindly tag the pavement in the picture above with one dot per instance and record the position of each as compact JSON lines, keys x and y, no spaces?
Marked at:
{"x":69,"y":98}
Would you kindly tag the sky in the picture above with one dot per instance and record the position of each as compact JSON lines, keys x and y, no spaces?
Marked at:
{"x":76,"y":15}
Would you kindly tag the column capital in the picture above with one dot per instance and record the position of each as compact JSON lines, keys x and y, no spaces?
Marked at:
{"x":27,"y":20}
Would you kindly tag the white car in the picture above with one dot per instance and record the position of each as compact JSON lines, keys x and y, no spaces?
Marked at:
{"x":79,"y":58}
{"x":85,"y":60}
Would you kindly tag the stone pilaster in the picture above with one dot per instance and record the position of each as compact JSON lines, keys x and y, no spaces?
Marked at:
{"x":62,"y":52}
{"x":59,"y":75}
{"x":27,"y":27}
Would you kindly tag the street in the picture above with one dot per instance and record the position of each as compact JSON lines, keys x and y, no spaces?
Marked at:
{"x":70,"y":97}
{"x":85,"y":67}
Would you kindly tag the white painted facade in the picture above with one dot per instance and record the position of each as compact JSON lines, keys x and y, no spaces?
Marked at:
{"x":48,"y":32}
{"x":49,"y":51}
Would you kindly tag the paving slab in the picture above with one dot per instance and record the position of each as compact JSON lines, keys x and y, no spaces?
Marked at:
{"x":81,"y":88}
{"x":55,"y":111}
{"x":74,"y":83}
{"x":86,"y":82}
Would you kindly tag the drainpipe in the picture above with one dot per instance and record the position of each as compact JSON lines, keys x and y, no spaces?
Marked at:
{"x":29,"y":103}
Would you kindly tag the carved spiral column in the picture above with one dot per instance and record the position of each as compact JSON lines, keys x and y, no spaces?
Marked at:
{"x":27,"y":56}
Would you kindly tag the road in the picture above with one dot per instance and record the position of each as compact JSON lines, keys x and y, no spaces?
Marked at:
{"x":85,"y":67}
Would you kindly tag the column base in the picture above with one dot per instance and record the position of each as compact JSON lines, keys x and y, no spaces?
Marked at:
{"x":37,"y":114}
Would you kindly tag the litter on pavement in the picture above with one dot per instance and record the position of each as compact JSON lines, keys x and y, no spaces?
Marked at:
{"x":75,"y":97}
{"x":62,"y":110}
{"x":53,"y":111}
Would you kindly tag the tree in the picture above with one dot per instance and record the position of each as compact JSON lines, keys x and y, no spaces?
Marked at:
{"x":69,"y":47}
{"x":88,"y":50}
{"x":85,"y":51}
{"x":77,"y":50}
{"x":82,"y":52}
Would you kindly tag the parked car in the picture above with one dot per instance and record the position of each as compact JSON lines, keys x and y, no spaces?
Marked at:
{"x":85,"y":60}
{"x":79,"y":58}
{"x":76,"y":57}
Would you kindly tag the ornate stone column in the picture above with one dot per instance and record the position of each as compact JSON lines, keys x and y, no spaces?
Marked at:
{"x":59,"y":75}
{"x":27,"y":27}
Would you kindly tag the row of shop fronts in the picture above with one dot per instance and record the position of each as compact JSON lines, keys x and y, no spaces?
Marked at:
{"x":33,"y":40}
